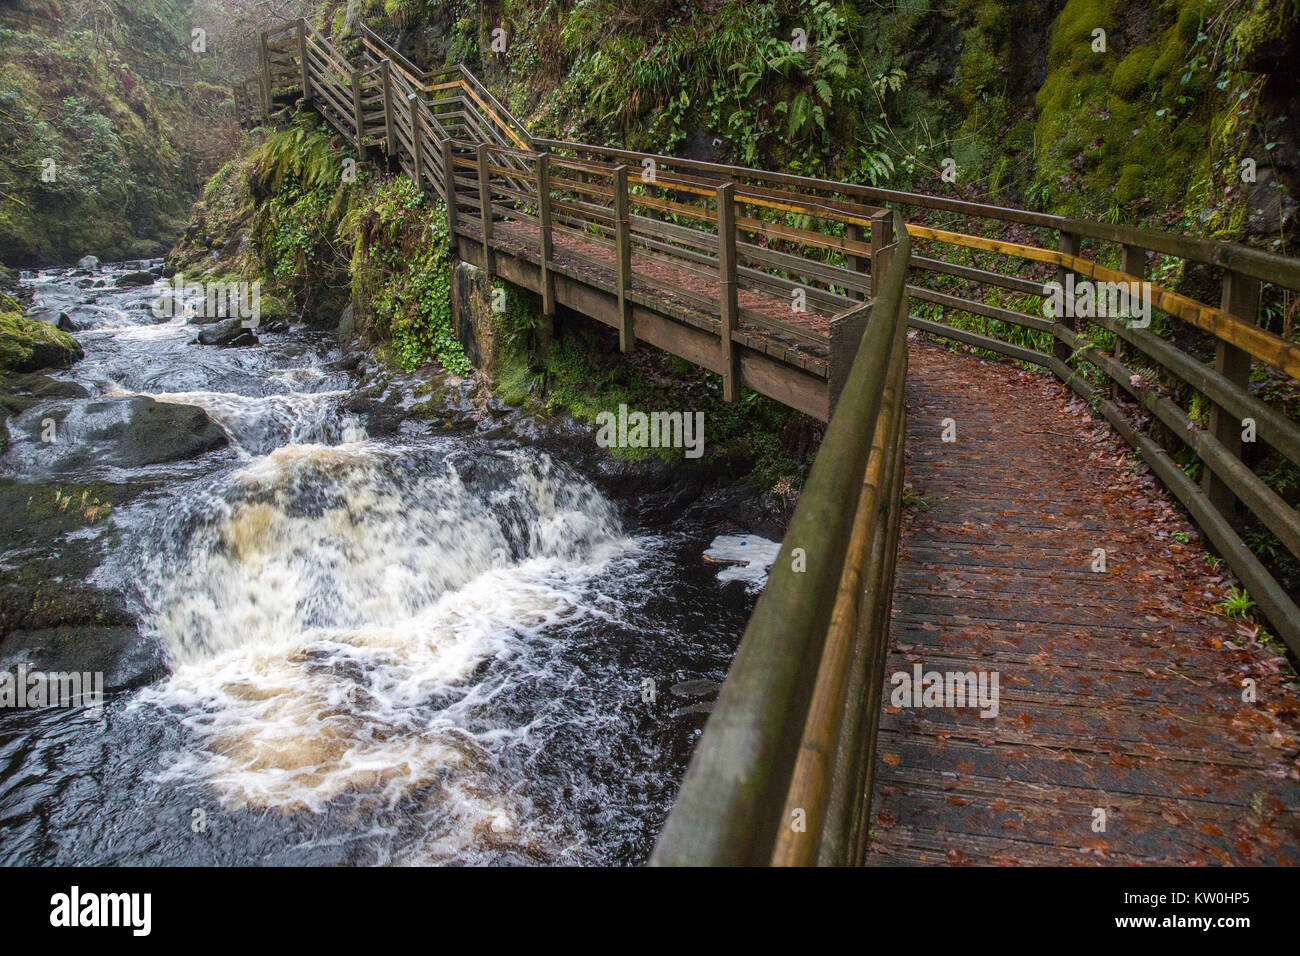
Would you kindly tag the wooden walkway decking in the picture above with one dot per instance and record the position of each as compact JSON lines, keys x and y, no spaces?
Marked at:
{"x":593,"y":263}
{"x":1119,"y":690}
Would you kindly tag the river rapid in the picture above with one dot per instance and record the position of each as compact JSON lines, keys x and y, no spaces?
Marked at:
{"x":428,"y":642}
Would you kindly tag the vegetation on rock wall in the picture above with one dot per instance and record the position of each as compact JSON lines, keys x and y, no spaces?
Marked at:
{"x":583,"y":374}
{"x":1150,"y":129}
{"x":100,"y":156}
{"x":325,"y":233}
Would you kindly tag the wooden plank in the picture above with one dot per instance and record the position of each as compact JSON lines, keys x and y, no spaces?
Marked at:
{"x":1219,"y":458}
{"x":305,"y":78}
{"x":726,"y":199}
{"x":485,"y":212}
{"x":266,"y":75}
{"x":358,"y":122}
{"x":1241,"y":298}
{"x":979,"y":341}
{"x":1273,"y":601}
{"x":449,"y":187}
{"x":623,"y":261}
{"x":390,"y":132}
{"x":1069,"y":246}
{"x":417,"y":151}
{"x":543,"y":178}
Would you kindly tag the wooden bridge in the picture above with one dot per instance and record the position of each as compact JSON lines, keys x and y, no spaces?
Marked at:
{"x":1132,"y":723}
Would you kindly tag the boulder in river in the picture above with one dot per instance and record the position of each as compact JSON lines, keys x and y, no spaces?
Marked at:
{"x":27,"y":345}
{"x":229,"y":334}
{"x":132,"y":279}
{"x":88,"y":262}
{"x":135,"y":431}
{"x":131,"y":431}
{"x":125,"y":657}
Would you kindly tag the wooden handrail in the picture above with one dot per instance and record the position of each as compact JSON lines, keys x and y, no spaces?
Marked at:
{"x":730,"y":808}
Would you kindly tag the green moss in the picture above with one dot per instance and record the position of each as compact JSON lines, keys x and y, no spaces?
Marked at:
{"x":27,"y":345}
{"x":1134,"y":72}
{"x":93,"y":150}
{"x":582,"y":376}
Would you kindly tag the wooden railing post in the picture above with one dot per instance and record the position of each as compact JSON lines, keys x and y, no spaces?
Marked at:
{"x":727,"y":287}
{"x":1240,"y":297}
{"x":358,"y":117}
{"x":390,"y":128}
{"x":543,"y":171}
{"x":853,"y":233}
{"x":302,"y":60}
{"x":623,"y":254}
{"x":1069,"y":245}
{"x":1133,"y":260}
{"x":882,"y":235}
{"x":485,"y":208}
{"x":417,"y":142}
{"x":449,"y":188}
{"x":265,"y":55}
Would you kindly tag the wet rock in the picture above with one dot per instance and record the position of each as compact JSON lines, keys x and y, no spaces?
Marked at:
{"x":125,"y":432}
{"x":696,"y":688}
{"x":40,"y":386}
{"x":348,"y":322}
{"x":88,"y":262}
{"x":52,"y":537}
{"x":156,"y":432}
{"x":133,"y":279}
{"x":125,"y":657}
{"x":227,"y":334}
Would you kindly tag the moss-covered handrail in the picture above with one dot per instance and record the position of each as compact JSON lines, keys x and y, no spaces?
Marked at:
{"x":731,"y":806}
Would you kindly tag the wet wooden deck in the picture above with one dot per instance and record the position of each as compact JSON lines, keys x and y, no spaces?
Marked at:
{"x":675,"y":290}
{"x":1119,"y":691}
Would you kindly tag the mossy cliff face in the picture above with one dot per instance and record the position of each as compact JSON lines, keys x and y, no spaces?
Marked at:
{"x":1158,"y":120}
{"x":1018,"y":93}
{"x":100,"y":157}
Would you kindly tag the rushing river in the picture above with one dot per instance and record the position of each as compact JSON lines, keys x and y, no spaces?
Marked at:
{"x":430,"y":646}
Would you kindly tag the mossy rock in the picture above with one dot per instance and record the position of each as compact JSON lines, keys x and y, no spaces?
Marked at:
{"x":1133,"y":74}
{"x":28,"y":345}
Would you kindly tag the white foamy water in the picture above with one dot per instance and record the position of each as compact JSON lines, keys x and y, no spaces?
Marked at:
{"x":328,"y":624}
{"x":419,"y":650}
{"x":747,"y":556}
{"x":258,"y":423}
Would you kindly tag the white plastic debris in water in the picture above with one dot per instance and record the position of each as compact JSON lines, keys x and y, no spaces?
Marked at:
{"x":747,"y":557}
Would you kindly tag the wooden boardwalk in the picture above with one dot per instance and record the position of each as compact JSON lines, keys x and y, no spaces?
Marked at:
{"x":1118,"y":690}
{"x":594,"y":264}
